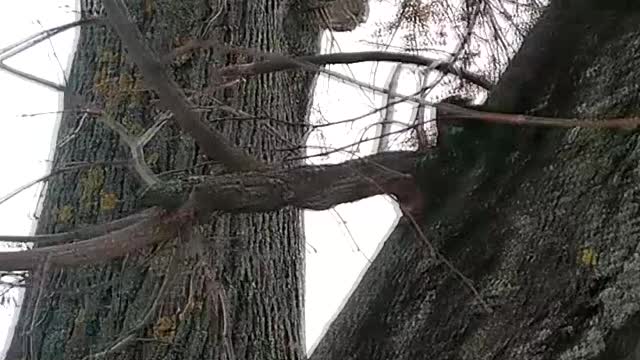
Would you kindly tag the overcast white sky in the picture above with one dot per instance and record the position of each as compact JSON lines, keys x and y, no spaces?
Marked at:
{"x":338,"y":250}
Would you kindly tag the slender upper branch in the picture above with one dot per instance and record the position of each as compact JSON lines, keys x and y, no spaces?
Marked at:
{"x":83,"y":233}
{"x":281,"y":64}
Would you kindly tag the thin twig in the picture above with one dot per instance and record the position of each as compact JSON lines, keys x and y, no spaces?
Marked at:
{"x":79,"y":234}
{"x":30,"y":77}
{"x":136,"y":146}
{"x":465,"y":280}
{"x":389,"y":111}
{"x":67,"y":139}
{"x":20,"y":46}
{"x":355,"y":57}
{"x":16,"y":48}
{"x":356,"y":143}
{"x":56,"y":172}
{"x":281,"y":64}
{"x":344,"y":224}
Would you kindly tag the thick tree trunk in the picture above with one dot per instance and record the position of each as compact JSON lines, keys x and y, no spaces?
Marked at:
{"x":256,"y":259}
{"x":543,"y":222}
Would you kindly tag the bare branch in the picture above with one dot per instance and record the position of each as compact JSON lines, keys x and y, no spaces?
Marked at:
{"x":274,"y":65}
{"x":212,"y":142}
{"x":80,"y":234}
{"x":385,"y":125}
{"x":314,"y":187}
{"x":150,"y":231}
{"x":308,"y":187}
{"x":53,"y":173}
{"x":457,"y":114}
{"x":419,"y":116}
{"x":64,"y":141}
{"x":345,"y":148}
{"x":29,"y":42}
{"x":20,"y":46}
{"x":136,"y":146}
{"x":29,"y":77}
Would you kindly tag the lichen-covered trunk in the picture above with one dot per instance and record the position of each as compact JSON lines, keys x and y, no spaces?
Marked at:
{"x":256,"y":259}
{"x":544,"y":223}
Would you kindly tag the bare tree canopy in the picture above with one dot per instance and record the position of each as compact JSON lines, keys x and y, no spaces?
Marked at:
{"x":519,"y":233}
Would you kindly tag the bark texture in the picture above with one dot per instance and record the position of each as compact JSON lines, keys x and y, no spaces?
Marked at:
{"x":543,"y":221}
{"x":257,"y":260}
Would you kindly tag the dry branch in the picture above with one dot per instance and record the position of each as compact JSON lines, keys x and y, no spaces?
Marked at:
{"x":30,"y":77}
{"x":308,"y":187}
{"x":212,"y":142}
{"x":108,"y":246}
{"x":382,"y":129}
{"x":136,"y":147}
{"x":17,"y":48}
{"x":457,"y":114}
{"x":312,"y":187}
{"x":273,"y":65}
{"x":7,"y":197}
{"x":82,"y":233}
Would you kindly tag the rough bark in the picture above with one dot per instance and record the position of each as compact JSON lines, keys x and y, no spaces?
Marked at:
{"x":256,"y":259}
{"x":543,"y":221}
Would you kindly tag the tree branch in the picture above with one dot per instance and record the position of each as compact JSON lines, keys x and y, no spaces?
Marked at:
{"x":457,"y":114}
{"x":157,"y":229}
{"x":273,"y":65}
{"x":308,"y":187}
{"x":80,"y":234}
{"x":17,"y":48}
{"x":30,"y":77}
{"x":382,"y":128}
{"x":312,"y":187}
{"x":136,"y":147}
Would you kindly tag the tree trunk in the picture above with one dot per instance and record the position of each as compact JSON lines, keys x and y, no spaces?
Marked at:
{"x":543,"y":222}
{"x":257,"y":260}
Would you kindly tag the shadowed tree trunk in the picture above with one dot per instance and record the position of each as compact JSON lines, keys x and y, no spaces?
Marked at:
{"x":257,"y":260}
{"x":544,"y":222}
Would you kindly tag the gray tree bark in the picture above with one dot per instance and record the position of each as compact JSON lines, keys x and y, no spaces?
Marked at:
{"x":257,"y":260}
{"x":544,"y":222}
